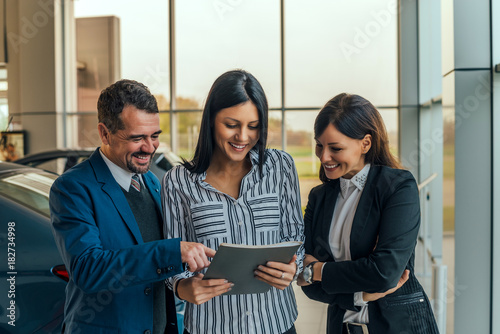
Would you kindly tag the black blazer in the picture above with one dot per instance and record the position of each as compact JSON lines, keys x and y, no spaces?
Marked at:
{"x":382,"y":244}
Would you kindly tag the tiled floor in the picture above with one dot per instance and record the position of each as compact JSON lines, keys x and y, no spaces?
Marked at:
{"x":312,"y":315}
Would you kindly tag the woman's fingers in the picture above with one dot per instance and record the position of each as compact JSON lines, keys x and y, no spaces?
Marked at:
{"x":277,"y":268}
{"x":277,"y":274}
{"x":279,"y":284}
{"x":197,"y":291}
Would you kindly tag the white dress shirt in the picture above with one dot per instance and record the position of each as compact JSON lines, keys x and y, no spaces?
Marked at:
{"x":340,"y":232}
{"x":121,"y":176}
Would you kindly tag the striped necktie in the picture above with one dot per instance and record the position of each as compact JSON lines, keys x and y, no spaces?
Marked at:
{"x":135,"y":183}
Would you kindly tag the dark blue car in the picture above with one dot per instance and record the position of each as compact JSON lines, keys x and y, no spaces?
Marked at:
{"x":33,"y":277}
{"x":32,"y":282}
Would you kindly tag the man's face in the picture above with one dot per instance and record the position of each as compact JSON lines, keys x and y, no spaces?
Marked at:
{"x":133,"y":147}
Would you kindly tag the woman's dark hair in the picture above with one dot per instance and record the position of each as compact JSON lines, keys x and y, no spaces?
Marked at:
{"x":355,"y":117}
{"x":230,"y":89}
{"x":119,"y":95}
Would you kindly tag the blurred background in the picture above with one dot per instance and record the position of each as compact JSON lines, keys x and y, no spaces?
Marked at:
{"x":428,"y":66}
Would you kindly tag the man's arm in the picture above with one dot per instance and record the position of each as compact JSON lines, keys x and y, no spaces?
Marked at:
{"x":92,"y":267}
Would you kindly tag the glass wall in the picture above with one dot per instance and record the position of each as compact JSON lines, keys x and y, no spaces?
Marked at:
{"x":213,"y":37}
{"x":137,"y":49}
{"x":302,"y":59}
{"x":334,"y":47}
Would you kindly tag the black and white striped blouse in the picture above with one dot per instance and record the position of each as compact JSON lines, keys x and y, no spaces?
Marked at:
{"x":267,"y":211}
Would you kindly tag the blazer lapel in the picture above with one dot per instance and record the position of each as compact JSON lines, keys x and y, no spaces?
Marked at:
{"x":154,"y":188}
{"x":331,"y":192}
{"x":115,"y":193}
{"x":361,"y":217}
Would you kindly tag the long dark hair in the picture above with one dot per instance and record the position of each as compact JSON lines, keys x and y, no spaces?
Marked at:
{"x":355,"y":117}
{"x":230,"y":89}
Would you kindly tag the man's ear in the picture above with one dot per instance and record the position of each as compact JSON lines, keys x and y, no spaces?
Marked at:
{"x":103,"y":133}
{"x":366,"y":143}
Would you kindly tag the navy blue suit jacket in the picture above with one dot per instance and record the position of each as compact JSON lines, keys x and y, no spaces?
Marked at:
{"x":111,"y":270}
{"x":382,"y":245}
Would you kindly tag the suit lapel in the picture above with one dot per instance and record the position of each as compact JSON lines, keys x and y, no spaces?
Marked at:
{"x":154,"y":188}
{"x":361,"y":217}
{"x":115,"y":193}
{"x":332,"y":190}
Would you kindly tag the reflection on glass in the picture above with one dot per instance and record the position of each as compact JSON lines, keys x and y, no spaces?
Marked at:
{"x":30,"y":189}
{"x":213,"y":37}
{"x":334,"y":47}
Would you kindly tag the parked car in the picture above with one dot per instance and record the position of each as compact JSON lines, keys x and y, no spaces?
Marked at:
{"x":60,"y":160}
{"x":34,"y":278}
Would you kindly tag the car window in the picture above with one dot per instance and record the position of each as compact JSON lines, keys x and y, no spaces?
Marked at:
{"x":163,"y":163}
{"x":29,"y":189}
{"x":56,"y":165}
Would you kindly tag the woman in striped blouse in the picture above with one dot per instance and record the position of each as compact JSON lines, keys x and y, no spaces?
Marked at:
{"x":236,"y":191}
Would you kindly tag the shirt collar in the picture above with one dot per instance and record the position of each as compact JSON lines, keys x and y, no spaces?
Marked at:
{"x":121,"y":176}
{"x":254,"y":159}
{"x":358,"y":180}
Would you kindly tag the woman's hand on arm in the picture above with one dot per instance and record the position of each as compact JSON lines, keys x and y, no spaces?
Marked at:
{"x":197,"y":291}
{"x":277,"y":274}
{"x":370,"y":297}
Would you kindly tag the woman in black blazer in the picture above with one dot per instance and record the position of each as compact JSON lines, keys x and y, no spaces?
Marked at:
{"x":361,"y":227}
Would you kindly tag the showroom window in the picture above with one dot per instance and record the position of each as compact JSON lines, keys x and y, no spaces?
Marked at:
{"x":302,"y":55}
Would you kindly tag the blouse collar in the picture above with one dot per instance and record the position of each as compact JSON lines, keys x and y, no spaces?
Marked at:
{"x":358,"y":180}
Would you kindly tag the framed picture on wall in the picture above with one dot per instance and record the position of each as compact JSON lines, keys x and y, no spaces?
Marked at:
{"x":11,"y":145}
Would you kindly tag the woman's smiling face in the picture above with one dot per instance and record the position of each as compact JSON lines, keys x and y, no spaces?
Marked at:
{"x":340,"y":155}
{"x":236,"y":131}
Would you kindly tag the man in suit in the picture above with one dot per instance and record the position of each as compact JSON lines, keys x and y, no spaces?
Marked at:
{"x":106,"y":219}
